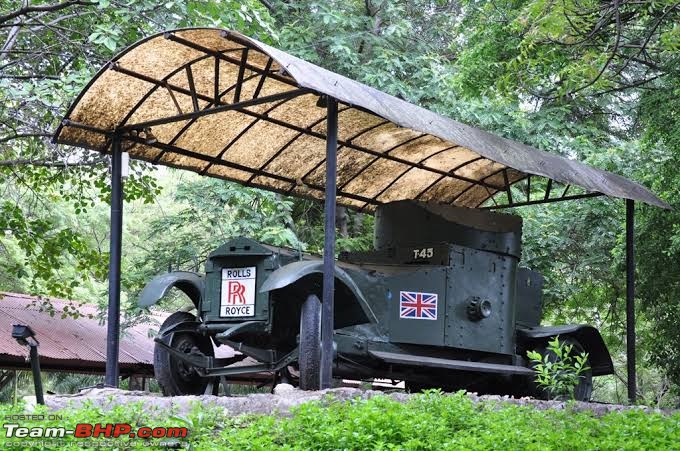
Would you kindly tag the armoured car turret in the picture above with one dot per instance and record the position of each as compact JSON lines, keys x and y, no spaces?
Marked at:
{"x":441,"y":301}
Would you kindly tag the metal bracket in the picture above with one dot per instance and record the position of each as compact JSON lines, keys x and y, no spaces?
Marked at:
{"x":208,"y":366}
{"x":259,"y":368}
{"x":248,"y":326}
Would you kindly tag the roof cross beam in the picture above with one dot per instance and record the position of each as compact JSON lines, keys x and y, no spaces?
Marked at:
{"x":187,"y":153}
{"x":263,"y":77}
{"x":502,"y":188}
{"x":196,"y":114}
{"x":291,"y":142}
{"x":441,"y":177}
{"x":407,"y":170}
{"x":223,"y":56}
{"x":190,"y":122}
{"x":192,"y":88}
{"x":322,"y":161}
{"x":241,"y":72}
{"x":240,"y":135}
{"x":387,"y":152}
{"x":347,"y":144}
{"x":543,"y":201}
{"x":208,"y":105}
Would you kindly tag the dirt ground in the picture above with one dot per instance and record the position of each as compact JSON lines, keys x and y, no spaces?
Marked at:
{"x":285,"y":397}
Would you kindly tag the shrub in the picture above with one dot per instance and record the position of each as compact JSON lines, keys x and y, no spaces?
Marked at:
{"x":431,"y":420}
{"x":557,"y":370}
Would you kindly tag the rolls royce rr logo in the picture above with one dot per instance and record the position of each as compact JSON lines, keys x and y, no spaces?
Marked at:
{"x":238,"y":292}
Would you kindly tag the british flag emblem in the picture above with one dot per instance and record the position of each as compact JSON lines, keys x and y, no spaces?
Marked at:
{"x":416,"y":305}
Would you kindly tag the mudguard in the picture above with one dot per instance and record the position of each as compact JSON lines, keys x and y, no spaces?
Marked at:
{"x":588,"y":336}
{"x":190,"y":283}
{"x":292,"y":272}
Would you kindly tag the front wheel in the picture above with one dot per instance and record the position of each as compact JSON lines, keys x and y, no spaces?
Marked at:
{"x":309,"y":359}
{"x":176,"y":377}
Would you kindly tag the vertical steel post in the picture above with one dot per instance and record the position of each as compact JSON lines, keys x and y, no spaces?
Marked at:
{"x":630,"y":298}
{"x":16,"y":384}
{"x":37,"y":378}
{"x":329,"y":244}
{"x":115,"y":247}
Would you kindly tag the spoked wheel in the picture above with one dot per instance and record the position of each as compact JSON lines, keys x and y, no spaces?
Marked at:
{"x":174,"y":376}
{"x":583,"y":390}
{"x":309,"y":359}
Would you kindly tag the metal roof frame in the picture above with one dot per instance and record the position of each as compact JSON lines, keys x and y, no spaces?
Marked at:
{"x":303,"y":78}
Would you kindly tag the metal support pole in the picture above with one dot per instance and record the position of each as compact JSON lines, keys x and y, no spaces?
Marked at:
{"x":329,"y":244}
{"x":37,"y":379}
{"x":115,"y":247}
{"x":630,"y":298}
{"x":16,"y":384}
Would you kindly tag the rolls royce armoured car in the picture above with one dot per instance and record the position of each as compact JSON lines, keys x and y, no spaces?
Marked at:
{"x":441,"y":301}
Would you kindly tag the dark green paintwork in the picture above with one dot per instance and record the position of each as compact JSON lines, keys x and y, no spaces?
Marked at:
{"x":239,"y":252}
{"x":427,"y":279}
{"x":464,"y":256}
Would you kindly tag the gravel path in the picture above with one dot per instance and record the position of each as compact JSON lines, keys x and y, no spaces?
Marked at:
{"x":285,"y":397}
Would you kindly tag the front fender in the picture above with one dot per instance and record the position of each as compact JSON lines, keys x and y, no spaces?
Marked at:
{"x":588,"y":336}
{"x":292,"y":272}
{"x":190,"y":283}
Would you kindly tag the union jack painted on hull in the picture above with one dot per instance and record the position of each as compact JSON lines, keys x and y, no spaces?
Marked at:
{"x":415,"y":305}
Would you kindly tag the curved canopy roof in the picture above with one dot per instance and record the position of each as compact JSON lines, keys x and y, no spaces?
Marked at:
{"x":225,"y":105}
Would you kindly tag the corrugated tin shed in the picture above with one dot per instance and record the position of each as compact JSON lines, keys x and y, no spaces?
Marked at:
{"x":68,"y":344}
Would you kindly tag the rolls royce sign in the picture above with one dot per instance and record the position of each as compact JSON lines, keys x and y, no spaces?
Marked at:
{"x":238,"y":292}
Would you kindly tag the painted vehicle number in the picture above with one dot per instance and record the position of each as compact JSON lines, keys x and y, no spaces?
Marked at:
{"x":238,"y":292}
{"x":426,"y":252}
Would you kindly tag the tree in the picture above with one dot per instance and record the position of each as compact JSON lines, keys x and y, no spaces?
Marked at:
{"x":50,"y":49}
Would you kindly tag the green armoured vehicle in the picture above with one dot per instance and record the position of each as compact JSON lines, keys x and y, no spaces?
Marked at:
{"x":440,"y":302}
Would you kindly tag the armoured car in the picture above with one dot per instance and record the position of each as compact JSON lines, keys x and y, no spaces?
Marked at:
{"x":440,"y":301}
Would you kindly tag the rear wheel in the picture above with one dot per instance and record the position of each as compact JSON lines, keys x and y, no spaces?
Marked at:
{"x":583,"y":389}
{"x":309,"y":359}
{"x":176,"y":377}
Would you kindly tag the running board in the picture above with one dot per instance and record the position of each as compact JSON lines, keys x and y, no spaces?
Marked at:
{"x":460,"y":365}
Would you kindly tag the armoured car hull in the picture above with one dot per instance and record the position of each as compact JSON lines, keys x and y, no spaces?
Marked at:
{"x":440,"y":302}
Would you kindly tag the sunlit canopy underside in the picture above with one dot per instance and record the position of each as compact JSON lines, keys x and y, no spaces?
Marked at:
{"x":224,"y":105}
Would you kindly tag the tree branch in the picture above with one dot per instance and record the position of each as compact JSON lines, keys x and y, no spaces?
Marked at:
{"x":27,"y":9}
{"x":5,"y":139}
{"x":49,"y":164}
{"x":267,"y":4}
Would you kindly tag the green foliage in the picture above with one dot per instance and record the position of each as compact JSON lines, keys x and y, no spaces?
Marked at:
{"x":426,"y":421}
{"x":557,"y":370}
{"x":206,"y":213}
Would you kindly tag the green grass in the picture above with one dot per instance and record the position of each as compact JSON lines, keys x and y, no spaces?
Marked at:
{"x":426,"y":421}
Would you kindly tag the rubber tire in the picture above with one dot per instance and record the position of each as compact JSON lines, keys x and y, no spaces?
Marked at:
{"x":309,"y":358}
{"x":584,"y":389}
{"x":167,"y":369}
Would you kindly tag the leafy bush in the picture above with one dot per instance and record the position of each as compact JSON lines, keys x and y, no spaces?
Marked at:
{"x":557,"y":370}
{"x":430,"y":420}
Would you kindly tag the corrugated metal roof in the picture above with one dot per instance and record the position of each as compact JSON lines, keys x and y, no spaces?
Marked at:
{"x":225,"y":105}
{"x":68,"y":343}
{"x":79,"y":345}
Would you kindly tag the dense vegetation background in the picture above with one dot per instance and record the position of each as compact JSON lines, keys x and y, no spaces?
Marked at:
{"x":592,"y":80}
